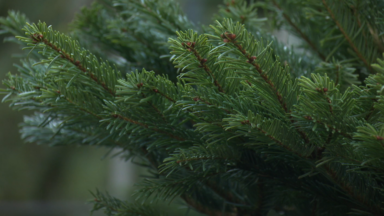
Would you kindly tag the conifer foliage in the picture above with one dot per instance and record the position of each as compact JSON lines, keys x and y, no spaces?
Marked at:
{"x":228,"y":119}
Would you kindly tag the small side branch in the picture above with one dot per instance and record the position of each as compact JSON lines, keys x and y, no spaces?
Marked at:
{"x":342,"y":30}
{"x":298,"y":30}
{"x":206,"y":102}
{"x":350,"y":190}
{"x":231,"y":38}
{"x":345,"y":134}
{"x":146,"y":126}
{"x":251,"y":60}
{"x":275,"y":140}
{"x":164,"y":95}
{"x":203,"y":64}
{"x":40,"y":38}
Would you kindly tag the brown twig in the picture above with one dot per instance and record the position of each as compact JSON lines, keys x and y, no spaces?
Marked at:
{"x":164,"y":95}
{"x":203,"y":64}
{"x":40,"y":38}
{"x":231,"y":38}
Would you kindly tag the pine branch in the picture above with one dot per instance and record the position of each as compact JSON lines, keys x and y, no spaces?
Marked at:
{"x":350,"y":190}
{"x":347,"y":37}
{"x":147,"y":126}
{"x":191,"y":47}
{"x":66,"y":48}
{"x":243,"y":129}
{"x":231,"y":37}
{"x":277,"y":141}
{"x":40,"y":38}
{"x":191,"y":52}
{"x":332,"y":128}
{"x":298,"y":30}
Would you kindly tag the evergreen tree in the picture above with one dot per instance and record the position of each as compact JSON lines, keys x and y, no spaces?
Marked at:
{"x":226,"y":117}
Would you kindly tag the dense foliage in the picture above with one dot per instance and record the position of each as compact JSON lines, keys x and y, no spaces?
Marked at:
{"x":226,"y":117}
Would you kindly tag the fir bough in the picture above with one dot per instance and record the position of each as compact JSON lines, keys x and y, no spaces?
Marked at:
{"x":241,"y":125}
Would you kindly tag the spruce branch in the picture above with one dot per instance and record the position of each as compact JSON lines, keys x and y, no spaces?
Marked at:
{"x":203,"y":63}
{"x":256,"y":57}
{"x":147,"y":126}
{"x":197,"y":99}
{"x":175,"y":20}
{"x":189,"y":44}
{"x":271,"y":137}
{"x":298,"y":30}
{"x":248,"y":126}
{"x":83,"y":109}
{"x":347,"y":37}
{"x":164,"y":95}
{"x":39,"y":93}
{"x":68,"y":49}
{"x":351,"y":191}
{"x":252,"y":60}
{"x":331,"y":127}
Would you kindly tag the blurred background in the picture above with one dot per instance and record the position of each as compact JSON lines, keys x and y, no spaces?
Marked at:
{"x":44,"y":181}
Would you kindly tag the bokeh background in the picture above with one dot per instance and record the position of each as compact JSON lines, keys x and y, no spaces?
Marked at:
{"x":44,"y":181}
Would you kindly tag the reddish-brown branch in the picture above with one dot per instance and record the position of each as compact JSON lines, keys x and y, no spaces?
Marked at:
{"x":298,"y":30}
{"x":164,"y":95}
{"x":346,"y":36}
{"x":40,"y":38}
{"x":252,"y":60}
{"x":203,"y":64}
